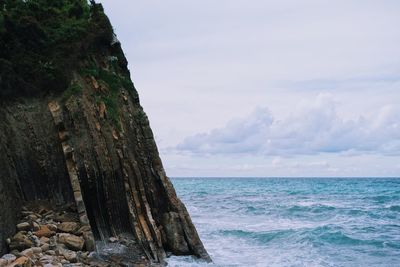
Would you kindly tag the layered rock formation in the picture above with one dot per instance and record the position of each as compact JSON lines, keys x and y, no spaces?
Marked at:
{"x":91,"y":144}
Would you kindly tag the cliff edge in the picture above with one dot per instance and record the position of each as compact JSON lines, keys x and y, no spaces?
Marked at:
{"x":72,"y":131}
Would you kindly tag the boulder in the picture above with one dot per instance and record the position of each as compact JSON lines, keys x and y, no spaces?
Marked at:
{"x":51,"y":252}
{"x":20,"y":242}
{"x":46,"y":259}
{"x":66,"y":217}
{"x":44,"y":240}
{"x":35,"y":240}
{"x":24,"y":226}
{"x":37,"y":250}
{"x":83,"y":229}
{"x":52,"y":227}
{"x":69,"y":255}
{"x":36,"y":226}
{"x":21,"y":261}
{"x":44,"y":231}
{"x":9,"y":258}
{"x":27,"y":253}
{"x":68,"y":227}
{"x":71,"y":241}
{"x":33,"y":217}
{"x":45,"y":247}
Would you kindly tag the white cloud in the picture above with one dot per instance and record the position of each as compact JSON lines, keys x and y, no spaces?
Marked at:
{"x":313,"y":127}
{"x":197,"y":64}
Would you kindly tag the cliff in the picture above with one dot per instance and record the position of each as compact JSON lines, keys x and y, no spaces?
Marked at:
{"x":72,"y":130}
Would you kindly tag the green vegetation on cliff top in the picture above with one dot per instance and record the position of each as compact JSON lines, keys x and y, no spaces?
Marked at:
{"x":43,"y":41}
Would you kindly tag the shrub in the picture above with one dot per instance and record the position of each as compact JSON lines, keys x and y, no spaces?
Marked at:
{"x":43,"y":41}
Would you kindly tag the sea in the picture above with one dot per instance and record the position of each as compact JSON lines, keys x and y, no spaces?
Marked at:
{"x":294,"y":222}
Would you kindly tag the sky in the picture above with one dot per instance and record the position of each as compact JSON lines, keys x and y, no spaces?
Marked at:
{"x":291,"y":88}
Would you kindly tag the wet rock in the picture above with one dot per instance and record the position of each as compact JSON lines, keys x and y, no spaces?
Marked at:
{"x":71,"y":241}
{"x":68,"y":227}
{"x":175,"y":234}
{"x":44,"y":231}
{"x":89,"y":241}
{"x":25,"y":226}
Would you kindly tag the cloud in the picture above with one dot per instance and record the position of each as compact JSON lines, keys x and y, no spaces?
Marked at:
{"x":312,"y":128}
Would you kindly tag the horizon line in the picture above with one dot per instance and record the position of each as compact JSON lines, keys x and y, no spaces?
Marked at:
{"x":286,"y":177}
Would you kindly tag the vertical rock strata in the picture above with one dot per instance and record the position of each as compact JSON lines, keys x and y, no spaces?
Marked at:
{"x":92,"y":145}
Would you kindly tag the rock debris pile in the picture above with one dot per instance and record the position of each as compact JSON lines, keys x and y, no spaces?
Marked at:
{"x":53,"y":237}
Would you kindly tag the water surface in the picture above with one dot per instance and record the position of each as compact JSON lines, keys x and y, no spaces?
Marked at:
{"x":294,"y":222}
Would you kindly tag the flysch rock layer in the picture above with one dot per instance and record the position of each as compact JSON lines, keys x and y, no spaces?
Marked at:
{"x":95,"y":150}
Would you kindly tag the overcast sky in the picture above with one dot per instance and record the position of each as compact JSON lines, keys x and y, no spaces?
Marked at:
{"x":267,"y":88}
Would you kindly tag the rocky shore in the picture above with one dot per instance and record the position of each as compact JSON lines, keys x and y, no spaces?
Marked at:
{"x":53,"y":236}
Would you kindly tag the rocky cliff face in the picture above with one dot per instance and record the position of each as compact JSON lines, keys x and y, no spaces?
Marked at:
{"x":90,"y":143}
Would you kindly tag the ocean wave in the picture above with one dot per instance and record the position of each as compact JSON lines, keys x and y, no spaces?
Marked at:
{"x":380,"y":199}
{"x":328,"y":235}
{"x":262,"y":237}
{"x":313,"y":208}
{"x":394,"y":208}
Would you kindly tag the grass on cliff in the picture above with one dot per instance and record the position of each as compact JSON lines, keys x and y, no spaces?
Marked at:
{"x":115,"y":82}
{"x":43,"y":41}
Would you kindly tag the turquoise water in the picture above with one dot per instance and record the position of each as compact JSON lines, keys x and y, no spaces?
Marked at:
{"x":294,"y":222}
